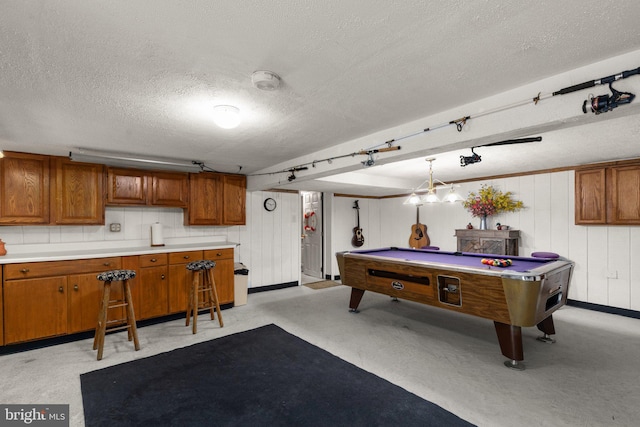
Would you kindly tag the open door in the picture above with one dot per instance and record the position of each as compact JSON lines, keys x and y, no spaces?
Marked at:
{"x":312,"y":233}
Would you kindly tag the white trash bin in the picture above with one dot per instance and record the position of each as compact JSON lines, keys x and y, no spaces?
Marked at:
{"x":240,"y":284}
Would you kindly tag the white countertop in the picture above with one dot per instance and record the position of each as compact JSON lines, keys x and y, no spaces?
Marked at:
{"x":63,"y":255}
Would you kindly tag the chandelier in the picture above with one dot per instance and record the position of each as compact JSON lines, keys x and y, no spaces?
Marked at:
{"x":431,"y":195}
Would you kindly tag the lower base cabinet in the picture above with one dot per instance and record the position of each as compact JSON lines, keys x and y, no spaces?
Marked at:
{"x":47,"y":299}
{"x":223,"y":273}
{"x":35,"y":308}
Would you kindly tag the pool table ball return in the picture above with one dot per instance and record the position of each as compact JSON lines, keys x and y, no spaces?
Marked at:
{"x":522,"y":294}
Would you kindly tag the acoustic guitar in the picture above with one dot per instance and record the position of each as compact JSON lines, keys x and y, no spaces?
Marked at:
{"x":358,"y":239}
{"x":419,"y":237}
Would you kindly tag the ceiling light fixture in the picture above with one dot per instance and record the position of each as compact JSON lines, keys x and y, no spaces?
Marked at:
{"x":431,"y":196}
{"x":265,"y":80}
{"x":226,"y":116}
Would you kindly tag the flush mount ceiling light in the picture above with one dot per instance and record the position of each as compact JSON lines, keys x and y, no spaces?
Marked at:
{"x":265,"y":80}
{"x":226,"y":116}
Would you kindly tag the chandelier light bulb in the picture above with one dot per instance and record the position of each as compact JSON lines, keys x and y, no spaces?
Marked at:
{"x":226,"y":116}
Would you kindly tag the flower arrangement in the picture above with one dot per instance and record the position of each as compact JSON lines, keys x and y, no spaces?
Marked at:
{"x":490,"y":201}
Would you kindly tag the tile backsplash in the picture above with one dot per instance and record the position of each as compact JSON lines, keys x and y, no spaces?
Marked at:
{"x":135,"y":225}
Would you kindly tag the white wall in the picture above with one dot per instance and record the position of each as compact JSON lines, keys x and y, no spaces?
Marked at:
{"x":604,"y":255}
{"x":269,"y":245}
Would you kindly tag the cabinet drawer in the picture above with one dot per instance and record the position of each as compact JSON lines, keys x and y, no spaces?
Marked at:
{"x":215,"y":254}
{"x":30,"y":270}
{"x":184,"y":257}
{"x":152,"y":260}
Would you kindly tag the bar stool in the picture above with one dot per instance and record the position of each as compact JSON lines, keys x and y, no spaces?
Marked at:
{"x":202,"y":283}
{"x":107,"y":303}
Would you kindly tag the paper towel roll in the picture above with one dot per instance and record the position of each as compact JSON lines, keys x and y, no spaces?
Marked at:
{"x":156,"y":235}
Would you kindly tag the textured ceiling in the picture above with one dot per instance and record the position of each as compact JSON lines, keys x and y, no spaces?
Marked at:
{"x":141,"y":77}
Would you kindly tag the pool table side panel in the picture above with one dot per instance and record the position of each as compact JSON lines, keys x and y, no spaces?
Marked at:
{"x":481,"y":295}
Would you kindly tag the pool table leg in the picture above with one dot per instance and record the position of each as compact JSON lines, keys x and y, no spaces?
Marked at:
{"x":546,"y":326}
{"x":356,"y":297}
{"x":510,"y":339}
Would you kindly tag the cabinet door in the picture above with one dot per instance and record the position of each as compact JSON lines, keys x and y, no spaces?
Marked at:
{"x":77,"y":192}
{"x":24,"y":189}
{"x":153,"y":292}
{"x":170,"y":189}
{"x":469,"y":244}
{"x":493,"y":246}
{"x":590,"y":197}
{"x":205,"y":199}
{"x":223,"y":275}
{"x":85,"y":296}
{"x":180,"y":279}
{"x":126,"y":187}
{"x":234,"y":195}
{"x":624,"y":195}
{"x":35,"y":308}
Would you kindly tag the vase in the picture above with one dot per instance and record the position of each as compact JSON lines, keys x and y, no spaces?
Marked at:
{"x":483,"y":222}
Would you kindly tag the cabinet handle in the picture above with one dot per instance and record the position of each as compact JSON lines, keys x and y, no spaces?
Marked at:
{"x":219,"y":254}
{"x":186,"y":257}
{"x":162,"y":277}
{"x":107,"y":264}
{"x":75,"y":287}
{"x":153,"y":260}
{"x":24,"y":270}
{"x":61,"y":289}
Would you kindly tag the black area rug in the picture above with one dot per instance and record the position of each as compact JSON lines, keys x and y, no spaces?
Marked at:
{"x":262,"y":377}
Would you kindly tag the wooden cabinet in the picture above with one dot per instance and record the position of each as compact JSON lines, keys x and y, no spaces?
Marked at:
{"x":216,"y":199}
{"x":24,"y":189}
{"x":223,"y":273}
{"x":205,"y":199}
{"x":234,"y":189}
{"x":153,"y":287}
{"x":170,"y":189}
{"x":499,"y":242}
{"x":180,"y":279}
{"x":127,"y":187}
{"x":35,"y":308}
{"x":77,"y":193}
{"x":46,"y":299}
{"x":608,"y":194}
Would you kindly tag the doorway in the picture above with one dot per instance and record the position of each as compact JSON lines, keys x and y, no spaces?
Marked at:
{"x":312,"y":249}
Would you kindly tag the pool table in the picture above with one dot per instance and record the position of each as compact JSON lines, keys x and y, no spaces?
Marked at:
{"x":522,"y":294}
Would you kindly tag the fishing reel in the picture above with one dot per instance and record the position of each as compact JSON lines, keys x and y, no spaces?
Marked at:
{"x":604,"y":103}
{"x":469,"y":160}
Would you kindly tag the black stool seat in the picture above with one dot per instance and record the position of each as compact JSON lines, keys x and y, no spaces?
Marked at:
{"x":203,"y":264}
{"x":129,"y":322}
{"x":116,"y":275}
{"x":202,"y":283}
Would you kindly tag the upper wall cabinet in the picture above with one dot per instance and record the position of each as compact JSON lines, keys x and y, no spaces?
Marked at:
{"x":216,"y":199}
{"x":24,"y":189}
{"x":127,"y":187}
{"x":77,"y":193}
{"x":608,"y":194}
{"x":234,"y":190}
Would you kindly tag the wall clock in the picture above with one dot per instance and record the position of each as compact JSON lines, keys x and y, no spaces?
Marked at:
{"x":270,"y":204}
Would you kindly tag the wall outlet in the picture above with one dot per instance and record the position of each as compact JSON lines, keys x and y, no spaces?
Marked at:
{"x":115,"y":227}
